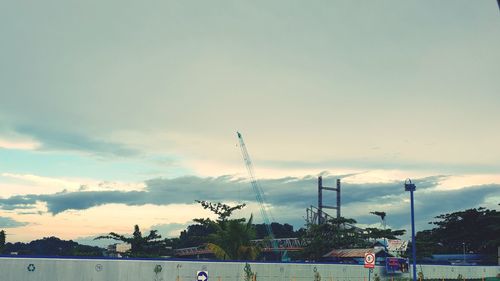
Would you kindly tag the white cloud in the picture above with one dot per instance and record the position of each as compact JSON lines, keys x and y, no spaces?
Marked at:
{"x":18,"y":184}
{"x":384,"y":176}
{"x":20,"y":144}
{"x":462,"y":181}
{"x":158,"y":204}
{"x":103,"y":219}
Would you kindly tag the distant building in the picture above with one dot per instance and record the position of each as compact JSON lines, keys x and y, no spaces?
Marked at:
{"x":456,"y":259}
{"x":395,"y":247}
{"x":356,"y":256}
{"x":118,"y":249}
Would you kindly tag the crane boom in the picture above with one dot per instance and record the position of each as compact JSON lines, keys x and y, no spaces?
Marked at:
{"x":259,"y":193}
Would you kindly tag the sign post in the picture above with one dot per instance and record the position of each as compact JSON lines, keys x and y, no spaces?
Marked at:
{"x":369,"y":263}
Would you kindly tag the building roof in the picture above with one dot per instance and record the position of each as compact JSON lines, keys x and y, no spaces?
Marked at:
{"x":380,"y":242}
{"x":352,"y":253}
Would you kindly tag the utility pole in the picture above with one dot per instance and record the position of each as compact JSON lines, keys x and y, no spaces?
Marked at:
{"x":463,"y":244}
{"x":320,"y":200}
{"x":409,"y":186}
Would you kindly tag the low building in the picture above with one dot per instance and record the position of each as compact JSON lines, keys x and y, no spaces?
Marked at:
{"x":457,"y":259}
{"x":118,"y":249}
{"x":356,"y":256}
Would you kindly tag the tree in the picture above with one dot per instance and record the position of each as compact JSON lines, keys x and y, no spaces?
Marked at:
{"x":2,"y":241}
{"x":141,"y":246}
{"x":376,"y":233}
{"x":279,"y":230}
{"x":53,"y":246}
{"x":341,"y":234}
{"x":195,"y":235}
{"x":231,"y":238}
{"x":476,"y":229}
{"x":222,"y":210}
{"x":333,"y":234}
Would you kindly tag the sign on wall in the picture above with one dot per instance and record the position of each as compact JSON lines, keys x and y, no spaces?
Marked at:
{"x":396,"y":265}
{"x":202,"y":275}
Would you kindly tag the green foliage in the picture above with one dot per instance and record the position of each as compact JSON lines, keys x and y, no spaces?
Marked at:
{"x":53,"y":246}
{"x":478,"y":228}
{"x":2,"y":241}
{"x":231,"y":237}
{"x":279,"y":231}
{"x":195,"y":235}
{"x":335,"y":233}
{"x":249,"y":275}
{"x":234,"y":237}
{"x":375,"y":233}
{"x":198,"y":234}
{"x":222,"y":210}
{"x":141,"y":246}
{"x":340,"y":234}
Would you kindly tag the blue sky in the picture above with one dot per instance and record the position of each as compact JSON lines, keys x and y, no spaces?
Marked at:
{"x":119,"y":113}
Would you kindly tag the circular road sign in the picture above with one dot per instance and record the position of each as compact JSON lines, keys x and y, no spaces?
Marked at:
{"x":369,"y":260}
{"x":202,"y":276}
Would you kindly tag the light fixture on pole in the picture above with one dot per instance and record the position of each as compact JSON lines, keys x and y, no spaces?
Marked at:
{"x":382,"y":217}
{"x":409,"y":186}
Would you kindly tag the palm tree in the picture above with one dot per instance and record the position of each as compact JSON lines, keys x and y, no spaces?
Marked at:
{"x":232,"y":237}
{"x":140,"y":245}
{"x":232,"y":240}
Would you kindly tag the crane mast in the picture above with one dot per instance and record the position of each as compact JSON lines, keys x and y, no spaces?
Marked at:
{"x":259,"y":194}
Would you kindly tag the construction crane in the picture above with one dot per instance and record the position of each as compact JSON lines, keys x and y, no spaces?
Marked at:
{"x":259,"y":193}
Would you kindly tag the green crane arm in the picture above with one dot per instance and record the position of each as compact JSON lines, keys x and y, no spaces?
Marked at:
{"x":259,"y":193}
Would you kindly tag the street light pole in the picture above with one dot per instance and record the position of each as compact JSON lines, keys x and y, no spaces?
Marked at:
{"x":409,"y":186}
{"x":463,"y":243}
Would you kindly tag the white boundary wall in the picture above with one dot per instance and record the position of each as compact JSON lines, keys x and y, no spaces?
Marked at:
{"x":67,"y":269}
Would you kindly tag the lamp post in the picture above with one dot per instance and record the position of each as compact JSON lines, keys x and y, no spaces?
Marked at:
{"x":409,"y":186}
{"x":463,"y":244}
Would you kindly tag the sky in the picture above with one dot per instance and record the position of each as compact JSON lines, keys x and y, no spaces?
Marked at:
{"x":118,"y":113}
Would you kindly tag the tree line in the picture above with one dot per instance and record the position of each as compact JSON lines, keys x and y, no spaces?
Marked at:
{"x":230,"y":238}
{"x":48,"y":246}
{"x":474,"y":230}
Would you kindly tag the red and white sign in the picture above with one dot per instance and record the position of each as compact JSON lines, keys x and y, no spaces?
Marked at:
{"x":369,"y":260}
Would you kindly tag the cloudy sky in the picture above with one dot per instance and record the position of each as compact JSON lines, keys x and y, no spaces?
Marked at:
{"x":115,"y":113}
